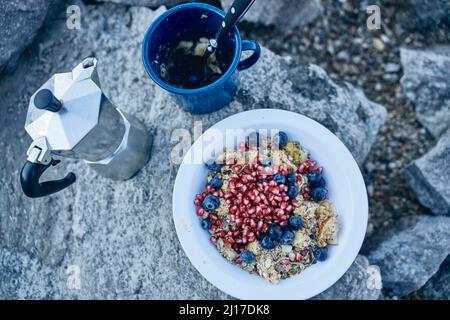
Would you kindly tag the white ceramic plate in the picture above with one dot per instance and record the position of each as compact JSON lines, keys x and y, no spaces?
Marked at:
{"x":346,"y":190}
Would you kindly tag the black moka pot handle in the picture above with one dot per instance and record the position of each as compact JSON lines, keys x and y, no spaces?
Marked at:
{"x":32,"y":172}
{"x":237,"y":10}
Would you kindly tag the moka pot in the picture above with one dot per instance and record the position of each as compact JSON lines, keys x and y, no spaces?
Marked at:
{"x":69,"y":116}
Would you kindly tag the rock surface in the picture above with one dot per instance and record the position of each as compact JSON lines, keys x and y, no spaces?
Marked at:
{"x":431,"y":12}
{"x":153,"y":4}
{"x":429,"y":177}
{"x":426,"y":82}
{"x":361,"y":282}
{"x":438,"y":287}
{"x":22,"y":277}
{"x":284,"y":14}
{"x":411,"y":257}
{"x":116,"y":239}
{"x":19,"y":23}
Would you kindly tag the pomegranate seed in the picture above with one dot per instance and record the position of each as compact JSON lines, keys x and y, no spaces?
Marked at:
{"x":220,"y":234}
{"x":200,"y":212}
{"x":286,"y":262}
{"x":298,"y":257}
{"x":259,"y":225}
{"x":264,"y":228}
{"x":213,"y":240}
{"x":200,"y":197}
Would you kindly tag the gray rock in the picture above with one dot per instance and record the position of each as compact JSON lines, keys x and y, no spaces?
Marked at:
{"x":438,"y":287}
{"x":153,"y":4}
{"x":307,"y":89}
{"x":429,"y":177}
{"x":426,"y":82}
{"x":19,"y":23}
{"x":284,"y":14}
{"x":361,"y":282}
{"x":430,"y":13}
{"x":22,"y":277}
{"x":411,"y":257}
{"x":118,"y":237}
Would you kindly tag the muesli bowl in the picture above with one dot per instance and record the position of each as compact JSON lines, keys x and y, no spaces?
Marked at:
{"x":346,"y":190}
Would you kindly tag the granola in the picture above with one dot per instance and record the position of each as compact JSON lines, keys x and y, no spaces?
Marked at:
{"x":265,"y":206}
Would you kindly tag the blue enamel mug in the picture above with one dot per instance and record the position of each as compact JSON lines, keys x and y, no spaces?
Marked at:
{"x":201,"y":20}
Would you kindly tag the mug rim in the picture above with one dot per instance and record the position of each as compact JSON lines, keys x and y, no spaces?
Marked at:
{"x":157,"y":79}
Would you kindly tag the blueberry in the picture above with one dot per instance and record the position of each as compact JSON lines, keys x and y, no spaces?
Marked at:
{"x":268,"y":243}
{"x":275,"y":232}
{"x":279,"y":178}
{"x":280,"y":140}
{"x":292,"y":192}
{"x":321,"y":254}
{"x":322,"y":183}
{"x":296,"y":223}
{"x":216,"y":183}
{"x":210,"y":203}
{"x":247,"y":257}
{"x":291,"y":179}
{"x":213,"y":167}
{"x":206,"y":224}
{"x":288,"y":237}
{"x":315,"y":179}
{"x":318,"y":194}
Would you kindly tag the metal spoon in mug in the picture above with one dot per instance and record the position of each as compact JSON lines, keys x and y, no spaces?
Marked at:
{"x":238,"y":9}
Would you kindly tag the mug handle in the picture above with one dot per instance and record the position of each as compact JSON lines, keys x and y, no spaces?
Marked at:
{"x":249,"y":45}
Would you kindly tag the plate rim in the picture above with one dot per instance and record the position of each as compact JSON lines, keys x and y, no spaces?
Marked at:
{"x":359,"y":236}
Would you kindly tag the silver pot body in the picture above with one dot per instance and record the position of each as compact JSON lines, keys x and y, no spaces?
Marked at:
{"x":86,"y":126}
